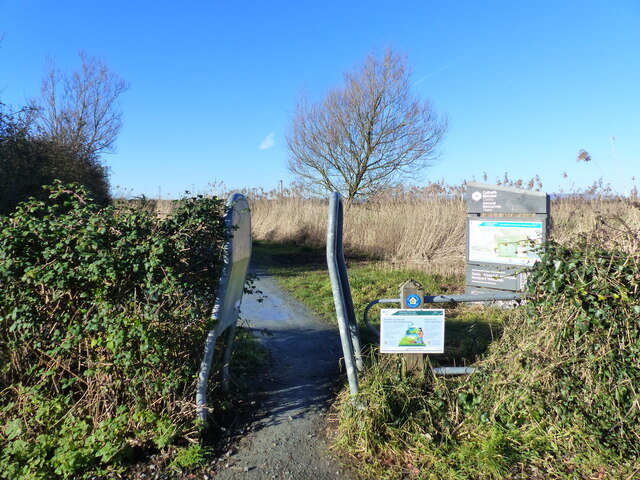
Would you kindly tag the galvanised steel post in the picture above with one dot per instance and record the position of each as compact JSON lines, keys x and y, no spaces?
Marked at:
{"x":336,"y":271}
{"x":346,"y":292}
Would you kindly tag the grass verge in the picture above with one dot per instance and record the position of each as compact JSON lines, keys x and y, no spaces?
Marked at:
{"x":302,"y":271}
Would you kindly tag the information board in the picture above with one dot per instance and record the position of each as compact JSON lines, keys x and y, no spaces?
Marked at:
{"x":506,"y":228}
{"x":412,"y":331}
{"x":505,"y":241}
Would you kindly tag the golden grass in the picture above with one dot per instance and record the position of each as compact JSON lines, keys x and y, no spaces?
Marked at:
{"x":606,"y":221}
{"x":423,"y":228}
{"x":416,"y":232}
{"x":430,"y":232}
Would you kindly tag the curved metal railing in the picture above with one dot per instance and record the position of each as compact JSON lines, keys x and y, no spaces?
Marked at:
{"x":236,"y":257}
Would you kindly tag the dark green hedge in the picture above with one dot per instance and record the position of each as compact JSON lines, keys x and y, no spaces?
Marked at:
{"x":103,"y":317}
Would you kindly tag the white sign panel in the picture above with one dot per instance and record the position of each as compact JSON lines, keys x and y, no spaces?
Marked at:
{"x":412,"y":331}
{"x":505,"y":241}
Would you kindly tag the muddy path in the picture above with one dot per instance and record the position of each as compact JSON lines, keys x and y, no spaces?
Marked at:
{"x":285,"y":435}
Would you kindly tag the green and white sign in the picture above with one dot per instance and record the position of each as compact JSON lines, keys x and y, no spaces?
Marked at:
{"x":506,"y":242}
{"x":412,"y":331}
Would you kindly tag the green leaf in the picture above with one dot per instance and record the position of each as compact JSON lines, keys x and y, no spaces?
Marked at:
{"x":14,"y":429}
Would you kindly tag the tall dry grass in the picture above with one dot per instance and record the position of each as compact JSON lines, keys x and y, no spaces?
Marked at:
{"x":425,"y":228}
{"x":608,"y":221}
{"x":408,"y":231}
{"x":429,"y":231}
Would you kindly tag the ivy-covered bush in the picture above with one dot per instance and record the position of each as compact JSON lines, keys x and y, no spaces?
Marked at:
{"x":556,"y":397}
{"x":562,"y":386}
{"x":103,"y":317}
{"x":29,"y":160}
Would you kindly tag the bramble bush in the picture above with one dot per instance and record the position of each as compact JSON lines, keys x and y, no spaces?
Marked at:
{"x":559,"y":392}
{"x":104,"y":314}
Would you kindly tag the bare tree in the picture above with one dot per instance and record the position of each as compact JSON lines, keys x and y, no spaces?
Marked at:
{"x":81,"y":110}
{"x":369,"y":133}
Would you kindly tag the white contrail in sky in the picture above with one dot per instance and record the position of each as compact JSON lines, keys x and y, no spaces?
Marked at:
{"x":497,"y":41}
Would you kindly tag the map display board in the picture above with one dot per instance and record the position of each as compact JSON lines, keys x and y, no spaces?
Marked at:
{"x":412,"y":331}
{"x":505,"y":241}
{"x":506,"y":227}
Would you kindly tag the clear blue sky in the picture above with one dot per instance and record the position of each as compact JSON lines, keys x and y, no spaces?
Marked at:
{"x":525,"y":84}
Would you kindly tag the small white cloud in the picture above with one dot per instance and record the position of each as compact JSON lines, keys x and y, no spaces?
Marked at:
{"x":268,"y":142}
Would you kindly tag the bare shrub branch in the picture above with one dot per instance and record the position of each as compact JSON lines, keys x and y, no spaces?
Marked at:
{"x":81,"y":110}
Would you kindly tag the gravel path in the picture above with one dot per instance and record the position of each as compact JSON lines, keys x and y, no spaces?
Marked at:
{"x":285,"y":438}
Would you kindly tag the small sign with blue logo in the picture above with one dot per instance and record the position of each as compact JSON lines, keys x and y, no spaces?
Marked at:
{"x":413,"y":301}
{"x":412,"y":331}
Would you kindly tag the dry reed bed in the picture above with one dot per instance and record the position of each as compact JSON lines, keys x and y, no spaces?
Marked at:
{"x":430,"y":233}
{"x":424,"y":231}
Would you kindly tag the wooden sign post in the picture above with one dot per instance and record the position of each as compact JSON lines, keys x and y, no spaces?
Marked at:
{"x":412,"y":296}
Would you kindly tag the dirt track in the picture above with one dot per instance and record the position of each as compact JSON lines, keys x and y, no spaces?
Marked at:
{"x":285,"y":437}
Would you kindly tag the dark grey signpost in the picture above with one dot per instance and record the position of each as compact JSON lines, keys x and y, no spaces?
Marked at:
{"x":505,"y":228}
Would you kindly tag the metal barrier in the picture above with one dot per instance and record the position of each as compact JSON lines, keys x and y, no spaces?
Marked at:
{"x":236,"y":257}
{"x":347,"y":323}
